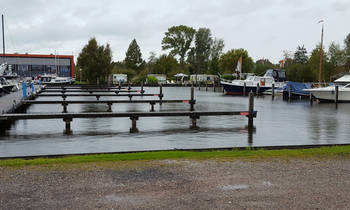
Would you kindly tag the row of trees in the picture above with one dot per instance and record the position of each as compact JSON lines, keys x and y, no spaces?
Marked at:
{"x":304,"y":67}
{"x":194,"y":51}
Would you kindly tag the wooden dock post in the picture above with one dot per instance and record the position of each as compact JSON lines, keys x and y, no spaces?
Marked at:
{"x":257,"y":89}
{"x":311,"y":99}
{"x":64,"y":104}
{"x":206,"y":86}
{"x":273,"y":91}
{"x":290,"y":93}
{"x":194,"y":126}
{"x":244,"y":88}
{"x":68,"y":130}
{"x":192,"y":99}
{"x":152,"y":106}
{"x":160,"y":94}
{"x":336,"y":96}
{"x":119,"y":85}
{"x":129,"y":87}
{"x":142,"y":91}
{"x":251,"y":111}
{"x":109,"y":107}
{"x":133,"y":128}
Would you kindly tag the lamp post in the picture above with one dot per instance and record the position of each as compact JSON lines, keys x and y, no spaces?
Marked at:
{"x":321,"y":54}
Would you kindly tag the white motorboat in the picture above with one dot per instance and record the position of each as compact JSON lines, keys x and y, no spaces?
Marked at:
{"x":328,"y":93}
{"x":54,"y":80}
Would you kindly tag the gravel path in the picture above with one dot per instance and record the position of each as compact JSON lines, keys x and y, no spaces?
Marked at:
{"x":180,"y":184}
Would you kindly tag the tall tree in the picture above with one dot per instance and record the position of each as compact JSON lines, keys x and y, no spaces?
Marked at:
{"x":133,"y":59}
{"x":178,"y":39}
{"x":336,"y":56}
{"x":347,"y":52}
{"x":95,"y":61}
{"x":203,"y":43}
{"x":228,"y":61}
{"x":215,"y":53}
{"x":166,"y":64}
{"x":300,"y":55}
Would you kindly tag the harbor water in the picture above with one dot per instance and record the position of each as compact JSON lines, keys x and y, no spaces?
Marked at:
{"x":278,"y":123}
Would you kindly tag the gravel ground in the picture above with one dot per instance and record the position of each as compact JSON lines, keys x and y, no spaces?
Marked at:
{"x":180,"y":184}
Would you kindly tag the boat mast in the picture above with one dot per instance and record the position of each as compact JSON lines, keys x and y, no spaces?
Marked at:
{"x":3,"y":38}
{"x":321,"y":56}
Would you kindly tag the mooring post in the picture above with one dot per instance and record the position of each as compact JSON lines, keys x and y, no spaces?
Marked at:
{"x":160,"y":94}
{"x":206,"y":86}
{"x":65,"y":104}
{"x":68,"y":130}
{"x":64,"y":97}
{"x":273,"y":91}
{"x":142,"y":91}
{"x":129,"y":86}
{"x":119,"y":85}
{"x":133,"y":128}
{"x":98,"y":97}
{"x":311,"y":99}
{"x":24,"y":89}
{"x":109,"y":106}
{"x":194,"y":118}
{"x":152,"y":106}
{"x":130,"y":97}
{"x":336,"y":96}
{"x":290,"y":92}
{"x":251,"y":111}
{"x":192,"y":99}
{"x":244,"y":88}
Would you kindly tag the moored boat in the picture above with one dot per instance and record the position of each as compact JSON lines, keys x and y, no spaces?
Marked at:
{"x":256,"y":84}
{"x":327,"y":94}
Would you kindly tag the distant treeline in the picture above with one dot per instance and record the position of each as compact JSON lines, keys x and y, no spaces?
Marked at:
{"x":192,"y":51}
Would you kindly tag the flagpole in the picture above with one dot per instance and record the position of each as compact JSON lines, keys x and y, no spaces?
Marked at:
{"x":321,"y":55}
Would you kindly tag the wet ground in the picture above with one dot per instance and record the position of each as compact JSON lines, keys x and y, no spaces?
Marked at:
{"x":180,"y":184}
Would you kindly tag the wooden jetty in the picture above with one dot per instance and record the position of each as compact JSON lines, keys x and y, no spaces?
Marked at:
{"x":109,"y":103}
{"x":134,"y":116}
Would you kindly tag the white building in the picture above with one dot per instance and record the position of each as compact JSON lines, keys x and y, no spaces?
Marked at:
{"x":122,"y":78}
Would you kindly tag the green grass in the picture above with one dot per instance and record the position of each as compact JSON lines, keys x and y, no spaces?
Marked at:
{"x":323,"y":152}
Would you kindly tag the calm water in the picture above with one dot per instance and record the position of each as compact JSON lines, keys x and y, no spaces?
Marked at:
{"x":278,"y":123}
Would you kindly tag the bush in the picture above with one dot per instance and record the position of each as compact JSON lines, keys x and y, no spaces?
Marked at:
{"x":152,"y":80}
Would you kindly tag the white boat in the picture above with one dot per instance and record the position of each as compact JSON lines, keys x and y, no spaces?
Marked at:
{"x":48,"y":79}
{"x":328,"y":93}
{"x":256,"y":84}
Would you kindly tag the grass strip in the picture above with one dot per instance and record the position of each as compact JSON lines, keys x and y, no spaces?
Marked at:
{"x":322,"y":152}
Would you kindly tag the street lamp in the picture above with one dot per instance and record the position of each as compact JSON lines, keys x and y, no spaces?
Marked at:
{"x":321,"y":54}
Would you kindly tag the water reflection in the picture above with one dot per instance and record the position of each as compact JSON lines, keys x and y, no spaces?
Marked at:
{"x":278,"y":123}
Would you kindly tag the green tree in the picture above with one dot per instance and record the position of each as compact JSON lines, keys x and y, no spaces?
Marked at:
{"x":262,"y":65}
{"x":178,"y":39}
{"x":95,"y":61}
{"x":314,"y":64}
{"x":133,"y":59}
{"x":203,"y":43}
{"x":347,"y":52}
{"x":166,"y":64}
{"x":300,"y":73}
{"x":228,"y":61}
{"x":336,"y":58}
{"x":215,"y":53}
{"x":300,"y":55}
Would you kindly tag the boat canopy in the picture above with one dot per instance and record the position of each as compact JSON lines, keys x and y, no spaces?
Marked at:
{"x":278,"y":74}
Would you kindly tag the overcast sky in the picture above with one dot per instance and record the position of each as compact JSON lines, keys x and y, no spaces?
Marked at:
{"x":264,"y":27}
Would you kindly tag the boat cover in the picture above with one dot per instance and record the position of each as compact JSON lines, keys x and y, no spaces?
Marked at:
{"x":297,"y":88}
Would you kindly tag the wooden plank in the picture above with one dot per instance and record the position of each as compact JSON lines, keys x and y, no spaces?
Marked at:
{"x":109,"y":114}
{"x":104,"y":101}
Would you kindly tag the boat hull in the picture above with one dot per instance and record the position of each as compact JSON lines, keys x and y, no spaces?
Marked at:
{"x":232,"y":89}
{"x":328,"y":94}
